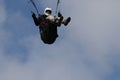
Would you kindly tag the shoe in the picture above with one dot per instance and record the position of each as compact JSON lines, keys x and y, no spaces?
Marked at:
{"x":67,"y":21}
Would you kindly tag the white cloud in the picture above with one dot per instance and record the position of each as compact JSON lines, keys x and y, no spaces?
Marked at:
{"x":3,"y":33}
{"x":95,"y":28}
{"x":85,"y":53}
{"x":2,"y":12}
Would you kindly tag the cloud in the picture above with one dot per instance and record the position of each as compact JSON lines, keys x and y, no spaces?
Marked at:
{"x":3,"y":33}
{"x":89,"y":49}
{"x":2,"y":12}
{"x":95,"y":29}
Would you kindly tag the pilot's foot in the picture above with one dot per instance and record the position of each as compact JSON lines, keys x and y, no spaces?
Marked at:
{"x":67,"y":21}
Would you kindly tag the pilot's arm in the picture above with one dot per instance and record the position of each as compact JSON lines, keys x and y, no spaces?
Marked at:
{"x":35,"y":19}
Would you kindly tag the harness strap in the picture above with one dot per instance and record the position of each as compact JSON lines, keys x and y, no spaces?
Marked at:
{"x":58,"y":2}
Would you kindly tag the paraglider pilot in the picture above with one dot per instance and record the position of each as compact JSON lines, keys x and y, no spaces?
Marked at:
{"x":47,"y":15}
{"x":48,"y":24}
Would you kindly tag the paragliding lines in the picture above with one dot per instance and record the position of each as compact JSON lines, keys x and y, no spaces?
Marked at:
{"x":33,"y":3}
{"x":57,"y":6}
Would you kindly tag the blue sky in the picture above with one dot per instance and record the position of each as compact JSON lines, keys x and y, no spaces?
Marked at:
{"x":87,"y":49}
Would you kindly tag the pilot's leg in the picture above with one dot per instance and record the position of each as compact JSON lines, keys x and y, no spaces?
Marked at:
{"x":59,"y":21}
{"x":63,"y":21}
{"x":66,"y":21}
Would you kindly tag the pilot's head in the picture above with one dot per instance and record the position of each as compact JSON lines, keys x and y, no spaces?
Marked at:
{"x":48,"y":11}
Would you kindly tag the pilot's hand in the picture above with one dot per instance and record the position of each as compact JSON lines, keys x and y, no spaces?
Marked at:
{"x":33,"y":14}
{"x":59,"y":14}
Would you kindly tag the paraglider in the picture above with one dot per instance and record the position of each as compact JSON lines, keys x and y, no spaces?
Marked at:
{"x":48,"y":23}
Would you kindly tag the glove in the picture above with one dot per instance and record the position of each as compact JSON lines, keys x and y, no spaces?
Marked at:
{"x":59,"y":14}
{"x":33,"y":14}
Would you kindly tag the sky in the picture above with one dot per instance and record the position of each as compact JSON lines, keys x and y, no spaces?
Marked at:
{"x":87,"y":49}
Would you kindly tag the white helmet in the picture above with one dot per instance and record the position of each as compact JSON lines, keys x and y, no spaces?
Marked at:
{"x":47,"y":9}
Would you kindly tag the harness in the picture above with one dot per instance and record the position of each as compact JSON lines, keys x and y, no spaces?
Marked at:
{"x":48,"y":30}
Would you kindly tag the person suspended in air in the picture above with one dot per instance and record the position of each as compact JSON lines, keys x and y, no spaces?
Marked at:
{"x":53,"y":19}
{"x":48,"y":24}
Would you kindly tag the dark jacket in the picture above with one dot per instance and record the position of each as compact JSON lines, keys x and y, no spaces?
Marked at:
{"x":48,"y":30}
